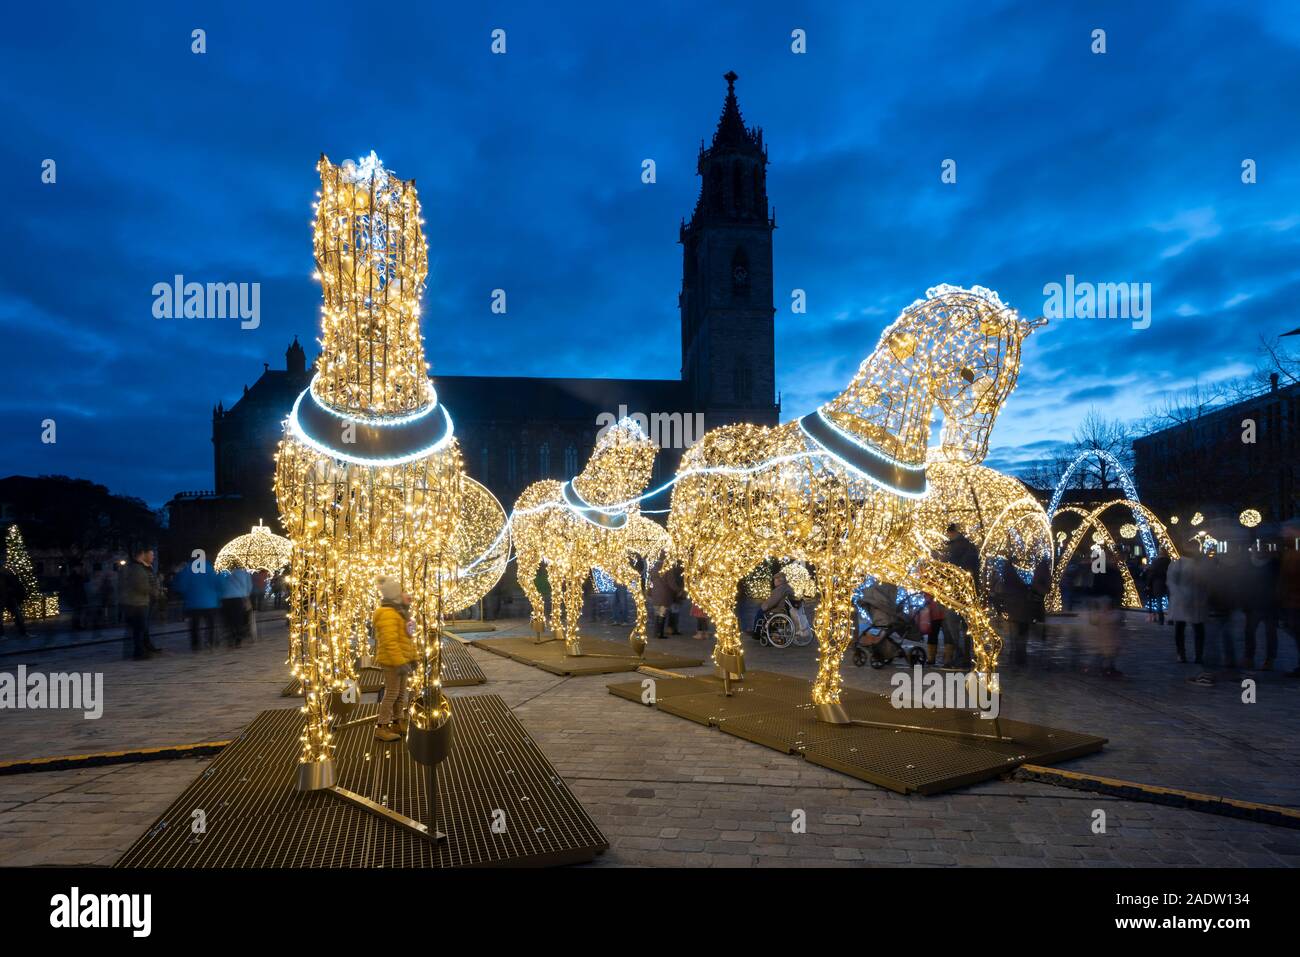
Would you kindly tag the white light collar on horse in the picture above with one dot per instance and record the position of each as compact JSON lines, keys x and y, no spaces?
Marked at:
{"x":592,"y":513}
{"x":390,"y":440}
{"x":866,"y":460}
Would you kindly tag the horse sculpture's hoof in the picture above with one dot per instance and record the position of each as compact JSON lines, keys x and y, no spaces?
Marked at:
{"x":833,"y":713}
{"x":316,"y":775}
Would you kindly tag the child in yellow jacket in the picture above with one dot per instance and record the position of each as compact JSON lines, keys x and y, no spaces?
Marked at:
{"x":395,"y":653}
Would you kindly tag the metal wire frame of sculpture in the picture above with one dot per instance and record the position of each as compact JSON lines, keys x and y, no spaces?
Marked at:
{"x":368,"y":475}
{"x":839,"y":488}
{"x":995,"y":511}
{"x":591,"y":521}
{"x":1091,"y":520}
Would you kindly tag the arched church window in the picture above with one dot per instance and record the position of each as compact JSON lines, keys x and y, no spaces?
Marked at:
{"x":740,"y":274}
{"x":737,"y":186}
{"x":512,"y":470}
{"x":570,"y":461}
{"x":544,"y":460}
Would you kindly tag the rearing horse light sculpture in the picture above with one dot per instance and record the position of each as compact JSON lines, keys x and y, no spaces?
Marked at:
{"x":591,"y":521}
{"x":839,"y":487}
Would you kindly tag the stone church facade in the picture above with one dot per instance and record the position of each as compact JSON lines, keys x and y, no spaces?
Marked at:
{"x":516,"y":430}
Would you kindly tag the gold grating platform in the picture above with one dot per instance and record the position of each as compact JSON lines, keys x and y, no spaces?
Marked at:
{"x":600,"y":657}
{"x":256,"y":818}
{"x":459,"y":670}
{"x":774,"y":710}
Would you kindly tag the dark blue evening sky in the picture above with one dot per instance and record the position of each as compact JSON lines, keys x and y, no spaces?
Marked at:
{"x":1122,"y":167}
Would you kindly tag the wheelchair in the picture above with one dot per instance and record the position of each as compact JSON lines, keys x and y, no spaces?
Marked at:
{"x":782,"y":628}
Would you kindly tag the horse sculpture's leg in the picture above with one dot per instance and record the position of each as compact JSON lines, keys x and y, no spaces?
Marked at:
{"x":712,"y":586}
{"x":627,"y":576}
{"x":527,"y":566}
{"x":835,"y":633}
{"x":572,"y":612}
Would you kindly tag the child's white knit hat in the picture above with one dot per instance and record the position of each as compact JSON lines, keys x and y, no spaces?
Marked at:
{"x":390,"y":588}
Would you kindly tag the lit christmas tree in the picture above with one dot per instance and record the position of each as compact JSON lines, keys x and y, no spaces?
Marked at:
{"x":36,"y":605}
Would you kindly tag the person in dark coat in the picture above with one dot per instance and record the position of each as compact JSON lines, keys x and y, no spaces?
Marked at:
{"x":664,"y":591}
{"x":960,"y":551}
{"x":140,"y":590}
{"x":1259,"y":593}
{"x":1017,"y":601}
{"x":1158,"y":586}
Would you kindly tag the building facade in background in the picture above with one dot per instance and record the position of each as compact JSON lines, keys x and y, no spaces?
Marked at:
{"x":1236,"y":457}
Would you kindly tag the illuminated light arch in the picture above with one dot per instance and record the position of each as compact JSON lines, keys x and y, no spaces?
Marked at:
{"x":1125,"y":480}
{"x":1092,"y":520}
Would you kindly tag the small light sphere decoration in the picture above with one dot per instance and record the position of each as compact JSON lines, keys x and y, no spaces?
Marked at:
{"x":1173,"y":519}
{"x":1198,"y":518}
{"x":800,"y":580}
{"x":1250,"y":518}
{"x":260,"y":549}
{"x":593,"y":520}
{"x":1128,"y":531}
{"x":368,"y":475}
{"x":839,"y":489}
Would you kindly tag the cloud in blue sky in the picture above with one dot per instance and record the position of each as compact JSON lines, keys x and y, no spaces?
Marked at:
{"x":1122,"y":167}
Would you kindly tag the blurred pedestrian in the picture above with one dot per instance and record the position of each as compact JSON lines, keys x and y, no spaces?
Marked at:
{"x":140,"y":592}
{"x":235,"y":585}
{"x":1188,"y":602}
{"x":200,"y":592}
{"x":1260,"y":573}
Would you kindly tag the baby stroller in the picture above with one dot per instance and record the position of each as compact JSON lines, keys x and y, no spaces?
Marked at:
{"x":784,"y":627}
{"x":890,"y":633}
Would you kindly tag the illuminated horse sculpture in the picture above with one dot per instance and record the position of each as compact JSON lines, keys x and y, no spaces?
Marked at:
{"x":839,"y":488}
{"x":590,"y":521}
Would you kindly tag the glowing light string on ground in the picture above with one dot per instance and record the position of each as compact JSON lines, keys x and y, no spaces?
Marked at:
{"x":368,"y":475}
{"x":591,"y":521}
{"x":1126,"y":482}
{"x":261,"y":548}
{"x":838,"y":489}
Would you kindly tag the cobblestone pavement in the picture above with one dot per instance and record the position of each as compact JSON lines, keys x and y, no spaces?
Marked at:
{"x":667,"y":791}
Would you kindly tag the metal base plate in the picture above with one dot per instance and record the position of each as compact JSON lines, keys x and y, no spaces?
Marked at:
{"x":775,"y":711}
{"x":254,"y":817}
{"x":600,"y":657}
{"x":459,"y":670}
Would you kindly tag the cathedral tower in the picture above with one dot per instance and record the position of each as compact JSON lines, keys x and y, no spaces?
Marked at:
{"x":728,"y":352}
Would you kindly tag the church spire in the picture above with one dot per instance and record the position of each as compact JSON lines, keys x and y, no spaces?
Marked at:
{"x":732,"y":168}
{"x":731,"y":129}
